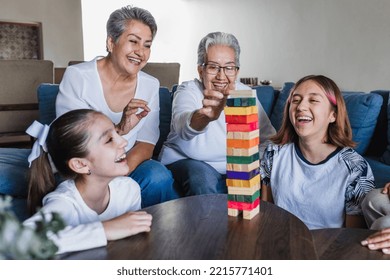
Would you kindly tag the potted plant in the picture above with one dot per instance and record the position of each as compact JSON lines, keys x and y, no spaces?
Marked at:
{"x":20,"y":242}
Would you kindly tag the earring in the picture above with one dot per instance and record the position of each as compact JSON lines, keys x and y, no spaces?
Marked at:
{"x":89,"y":172}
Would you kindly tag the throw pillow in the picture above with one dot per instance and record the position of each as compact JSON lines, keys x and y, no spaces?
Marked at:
{"x":386,"y":155}
{"x":165,"y":119}
{"x":266,"y":96}
{"x":277,"y":112}
{"x":47,"y":95}
{"x":379,"y":141}
{"x":363,"y":110}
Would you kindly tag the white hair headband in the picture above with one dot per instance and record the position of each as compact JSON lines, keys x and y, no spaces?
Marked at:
{"x":39,"y":131}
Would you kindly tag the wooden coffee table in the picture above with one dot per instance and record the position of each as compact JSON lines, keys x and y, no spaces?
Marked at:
{"x":199,"y":228}
{"x":344,"y":244}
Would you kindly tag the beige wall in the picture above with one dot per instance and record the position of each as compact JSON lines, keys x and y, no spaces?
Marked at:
{"x":61,"y":25}
{"x":281,"y":40}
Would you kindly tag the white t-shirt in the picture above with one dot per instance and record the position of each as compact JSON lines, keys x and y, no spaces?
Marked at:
{"x":318,"y":194}
{"x":208,"y":145}
{"x":84,"y":228}
{"x":81,"y":88}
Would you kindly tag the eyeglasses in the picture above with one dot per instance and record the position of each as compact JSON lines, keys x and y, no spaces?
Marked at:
{"x":214,"y":69}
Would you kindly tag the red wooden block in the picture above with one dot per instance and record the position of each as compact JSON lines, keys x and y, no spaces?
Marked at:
{"x":241,"y":118}
{"x":243,"y":205}
{"x":242,"y":127}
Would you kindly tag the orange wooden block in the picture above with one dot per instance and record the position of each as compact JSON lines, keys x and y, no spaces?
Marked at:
{"x":244,"y":144}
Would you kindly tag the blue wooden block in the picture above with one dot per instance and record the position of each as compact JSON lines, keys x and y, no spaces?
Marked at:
{"x":242,"y":175}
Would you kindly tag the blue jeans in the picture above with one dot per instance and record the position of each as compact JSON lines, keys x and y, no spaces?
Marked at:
{"x":13,"y":171}
{"x":195,"y":177}
{"x":156,"y":183}
{"x":13,"y":179}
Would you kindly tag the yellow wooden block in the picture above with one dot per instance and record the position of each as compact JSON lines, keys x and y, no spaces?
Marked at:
{"x":242,"y":167}
{"x":241,"y":110}
{"x":243,"y":191}
{"x":242,"y":152}
{"x":243,"y":183}
{"x":243,"y":135}
{"x":242,"y":93}
{"x":233,"y":212}
{"x":249,"y":214}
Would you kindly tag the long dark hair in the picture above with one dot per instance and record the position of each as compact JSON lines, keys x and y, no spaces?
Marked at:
{"x":67,"y":138}
{"x":339,"y":132}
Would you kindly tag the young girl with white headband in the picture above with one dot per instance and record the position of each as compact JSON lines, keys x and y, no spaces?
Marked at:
{"x":310,"y":169}
{"x":97,"y":201}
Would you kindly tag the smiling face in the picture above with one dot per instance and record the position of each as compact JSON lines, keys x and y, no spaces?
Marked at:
{"x":132,"y":51}
{"x":107,"y":157}
{"x":311,"y":112}
{"x":218,"y":55}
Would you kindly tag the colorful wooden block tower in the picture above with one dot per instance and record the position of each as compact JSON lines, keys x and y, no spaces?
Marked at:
{"x":242,"y":170}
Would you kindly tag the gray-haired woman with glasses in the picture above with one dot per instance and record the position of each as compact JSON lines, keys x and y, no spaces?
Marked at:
{"x":195,"y":150}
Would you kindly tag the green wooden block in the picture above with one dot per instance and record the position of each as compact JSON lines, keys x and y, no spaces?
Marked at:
{"x":248,"y":102}
{"x":242,"y":159}
{"x":241,"y":102}
{"x":244,"y":198}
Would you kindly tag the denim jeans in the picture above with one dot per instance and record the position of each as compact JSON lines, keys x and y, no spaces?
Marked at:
{"x":195,"y":177}
{"x":14,"y":171}
{"x":156,"y":183}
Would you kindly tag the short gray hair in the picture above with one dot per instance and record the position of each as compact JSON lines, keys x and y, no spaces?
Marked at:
{"x":218,"y":38}
{"x":118,"y":19}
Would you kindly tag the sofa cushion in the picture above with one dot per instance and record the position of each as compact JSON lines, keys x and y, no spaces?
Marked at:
{"x":277,"y":112}
{"x":266,"y":96}
{"x":379,"y":143}
{"x":380,"y":170}
{"x":363,"y":110}
{"x":47,"y":94}
{"x":165,"y":118}
{"x":386,"y":155}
